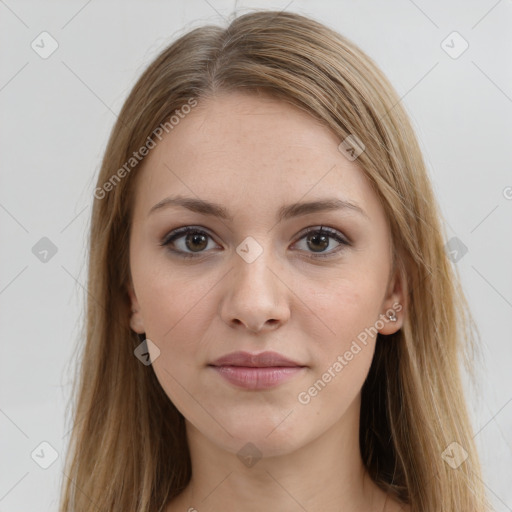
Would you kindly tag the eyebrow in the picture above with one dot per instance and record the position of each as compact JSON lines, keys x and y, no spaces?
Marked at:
{"x":286,"y":212}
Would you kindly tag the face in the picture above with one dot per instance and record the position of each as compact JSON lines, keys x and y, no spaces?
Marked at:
{"x":262,"y":277}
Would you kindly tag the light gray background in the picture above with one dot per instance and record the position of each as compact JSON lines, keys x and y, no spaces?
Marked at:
{"x":57,"y":114}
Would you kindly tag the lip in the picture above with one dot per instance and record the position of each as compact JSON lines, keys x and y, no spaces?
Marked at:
{"x":261,"y":360}
{"x":256,"y":371}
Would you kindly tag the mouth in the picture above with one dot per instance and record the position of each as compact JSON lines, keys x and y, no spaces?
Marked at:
{"x":256,"y":371}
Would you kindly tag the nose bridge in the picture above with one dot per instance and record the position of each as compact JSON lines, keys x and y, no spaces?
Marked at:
{"x":254,"y":293}
{"x":253,"y":261}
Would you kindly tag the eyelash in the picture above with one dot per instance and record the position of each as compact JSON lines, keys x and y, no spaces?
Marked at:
{"x":180,"y":232}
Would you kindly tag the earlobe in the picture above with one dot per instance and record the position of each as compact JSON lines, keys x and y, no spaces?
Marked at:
{"x":136,"y":321}
{"x":392,"y":317}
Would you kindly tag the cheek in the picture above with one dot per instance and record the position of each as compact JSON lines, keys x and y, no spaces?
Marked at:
{"x":344,"y":352}
{"x":344,"y":309}
{"x":176,"y":315}
{"x":175,"y":310}
{"x":170,"y":295}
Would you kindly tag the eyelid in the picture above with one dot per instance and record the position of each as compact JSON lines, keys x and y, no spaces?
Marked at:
{"x":332,"y":233}
{"x":184,"y":230}
{"x":335,"y":233}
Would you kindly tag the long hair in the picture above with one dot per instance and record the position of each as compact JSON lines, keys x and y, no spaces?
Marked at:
{"x":128,"y":447}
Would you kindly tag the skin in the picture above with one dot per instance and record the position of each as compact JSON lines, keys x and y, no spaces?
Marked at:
{"x":253,"y":154}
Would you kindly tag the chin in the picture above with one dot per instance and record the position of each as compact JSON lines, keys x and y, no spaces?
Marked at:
{"x":262,"y":434}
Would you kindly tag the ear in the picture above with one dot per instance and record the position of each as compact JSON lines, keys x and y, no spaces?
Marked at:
{"x":394,"y":304}
{"x":136,"y":321}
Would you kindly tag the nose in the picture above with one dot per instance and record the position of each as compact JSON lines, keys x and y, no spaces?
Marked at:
{"x":255,"y":295}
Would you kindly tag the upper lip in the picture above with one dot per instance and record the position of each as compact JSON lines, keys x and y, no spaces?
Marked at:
{"x":261,"y":360}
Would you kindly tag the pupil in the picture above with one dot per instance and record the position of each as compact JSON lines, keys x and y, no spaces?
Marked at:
{"x":325,"y":241}
{"x":196,"y":238}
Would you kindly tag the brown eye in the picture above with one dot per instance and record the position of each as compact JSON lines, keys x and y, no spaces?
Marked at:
{"x":187,"y":242}
{"x":195,"y":241}
{"x":191,"y":242}
{"x":319,"y":239}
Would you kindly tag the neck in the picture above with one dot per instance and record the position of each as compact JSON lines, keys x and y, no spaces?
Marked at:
{"x":326,"y":473}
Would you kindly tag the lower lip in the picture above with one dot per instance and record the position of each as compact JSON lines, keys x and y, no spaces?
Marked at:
{"x":257,"y":378}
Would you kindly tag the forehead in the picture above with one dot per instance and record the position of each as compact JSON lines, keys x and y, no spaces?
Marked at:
{"x":239,"y":149}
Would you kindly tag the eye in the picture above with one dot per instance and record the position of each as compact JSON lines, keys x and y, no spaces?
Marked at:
{"x":196,"y":241}
{"x":319,"y":238}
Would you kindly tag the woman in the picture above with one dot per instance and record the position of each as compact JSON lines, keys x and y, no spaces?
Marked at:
{"x":272,"y":321}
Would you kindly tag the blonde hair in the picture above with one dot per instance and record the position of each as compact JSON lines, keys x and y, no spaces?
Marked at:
{"x":128,"y":449}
